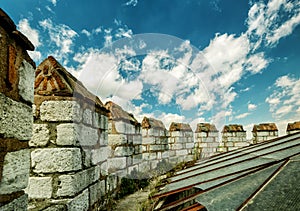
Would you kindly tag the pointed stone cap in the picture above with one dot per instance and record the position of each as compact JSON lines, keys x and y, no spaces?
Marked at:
{"x":293,"y":126}
{"x":52,"y":79}
{"x":233,"y":128}
{"x":148,"y":123}
{"x":118,"y":114}
{"x":206,"y":127}
{"x":265,"y":127}
{"x":180,"y":127}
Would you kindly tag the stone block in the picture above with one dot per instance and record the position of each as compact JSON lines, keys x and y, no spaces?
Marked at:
{"x":55,"y":160}
{"x":117,"y":139}
{"x":96,"y":119}
{"x":155,"y":147}
{"x":153,"y":164}
{"x":172,"y":153}
{"x":181,"y":152}
{"x":241,"y":144}
{"x":137,"y":139}
{"x":40,"y":135}
{"x":171,"y":140}
{"x":16,"y":119}
{"x":123,"y":151}
{"x":116,"y":163}
{"x":104,"y":138}
{"x":71,"y":184}
{"x":39,"y":188}
{"x":15,"y":171}
{"x":144,"y":132}
{"x":137,"y":158}
{"x":26,"y":81}
{"x":72,"y":134}
{"x":165,"y":154}
{"x":96,"y":191}
{"x":177,"y":146}
{"x":104,"y":122}
{"x":80,"y":202}
{"x":144,"y":166}
{"x":104,"y":168}
{"x":19,"y":204}
{"x":60,"y":111}
{"x":189,"y":145}
{"x":148,"y":140}
{"x":228,"y":144}
{"x":100,"y":155}
{"x":180,"y":140}
{"x":176,"y":134}
{"x":87,"y":117}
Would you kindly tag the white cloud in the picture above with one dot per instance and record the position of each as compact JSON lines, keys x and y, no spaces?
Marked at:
{"x":32,"y":34}
{"x":242,"y":116}
{"x":251,"y":107}
{"x":268,"y":23}
{"x":131,"y":3}
{"x":168,"y":118}
{"x":284,"y":101}
{"x":53,"y":2}
{"x":61,"y":35}
{"x":86,"y":32}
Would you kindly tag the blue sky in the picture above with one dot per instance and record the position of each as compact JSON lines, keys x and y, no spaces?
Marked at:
{"x":220,"y":61}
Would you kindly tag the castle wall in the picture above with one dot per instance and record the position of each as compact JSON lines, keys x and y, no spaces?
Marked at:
{"x":16,"y":97}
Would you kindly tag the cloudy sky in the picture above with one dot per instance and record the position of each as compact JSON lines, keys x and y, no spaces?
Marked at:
{"x":219,"y":61}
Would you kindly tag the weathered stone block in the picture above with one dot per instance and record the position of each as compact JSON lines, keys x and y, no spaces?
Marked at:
{"x":96,"y":120}
{"x":148,"y":140}
{"x":80,"y":202}
{"x":165,"y":154}
{"x":55,"y":160}
{"x":104,"y":138}
{"x":181,"y":152}
{"x":19,"y":204}
{"x":71,"y":184}
{"x":137,"y":139}
{"x":71,"y":134}
{"x":137,"y":158}
{"x":120,"y":127}
{"x":241,"y":144}
{"x":189,"y":145}
{"x":117,"y":139}
{"x":87,"y":117}
{"x":40,"y":135}
{"x":104,"y":168}
{"x":123,"y":151}
{"x":104,"y":122}
{"x":60,"y":111}
{"x":16,"y":119}
{"x":177,"y":146}
{"x":15,"y":171}
{"x":155,"y":147}
{"x":96,"y":191}
{"x":176,"y":134}
{"x":117,"y":163}
{"x":39,"y":188}
{"x":26,"y":81}
{"x":100,"y":155}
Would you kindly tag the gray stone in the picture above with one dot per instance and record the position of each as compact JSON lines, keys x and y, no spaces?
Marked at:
{"x":97,"y":191}
{"x":87,"y":117}
{"x":15,"y":171}
{"x":15,"y":119}
{"x":40,"y":135}
{"x":72,"y":134}
{"x":80,"y":202}
{"x":60,"y":111}
{"x":117,"y":139}
{"x":19,"y":204}
{"x":123,"y":151}
{"x":116,"y":163}
{"x":71,"y":184}
{"x":100,"y":155}
{"x":55,"y":160}
{"x":26,"y":81}
{"x":39,"y":187}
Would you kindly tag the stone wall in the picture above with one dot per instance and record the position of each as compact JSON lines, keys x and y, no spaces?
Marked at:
{"x":181,"y":143}
{"x":124,"y":140}
{"x":155,"y":147}
{"x":206,"y":140}
{"x":69,"y":144}
{"x":16,"y":98}
{"x":233,"y":137}
{"x":264,"y":132}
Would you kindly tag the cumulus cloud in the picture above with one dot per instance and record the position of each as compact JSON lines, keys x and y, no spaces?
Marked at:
{"x":33,"y":35}
{"x":61,"y":35}
{"x":242,"y":116}
{"x":269,"y":22}
{"x":285,"y":99}
{"x":251,"y":107}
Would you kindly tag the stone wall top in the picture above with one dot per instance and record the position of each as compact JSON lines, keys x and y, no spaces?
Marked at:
{"x":148,"y":123}
{"x":180,"y":127}
{"x":265,"y":127}
{"x":11,"y":28}
{"x":233,"y":128}
{"x":52,"y":79}
{"x":293,"y":126}
{"x":116,"y":113}
{"x":206,"y":127}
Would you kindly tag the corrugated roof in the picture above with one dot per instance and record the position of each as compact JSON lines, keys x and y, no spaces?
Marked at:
{"x":293,"y":126}
{"x":118,"y":114}
{"x":233,"y":179}
{"x":206,"y":127}
{"x":148,"y":123}
{"x":233,"y":128}
{"x":179,"y":127}
{"x":52,"y":79}
{"x":265,"y":127}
